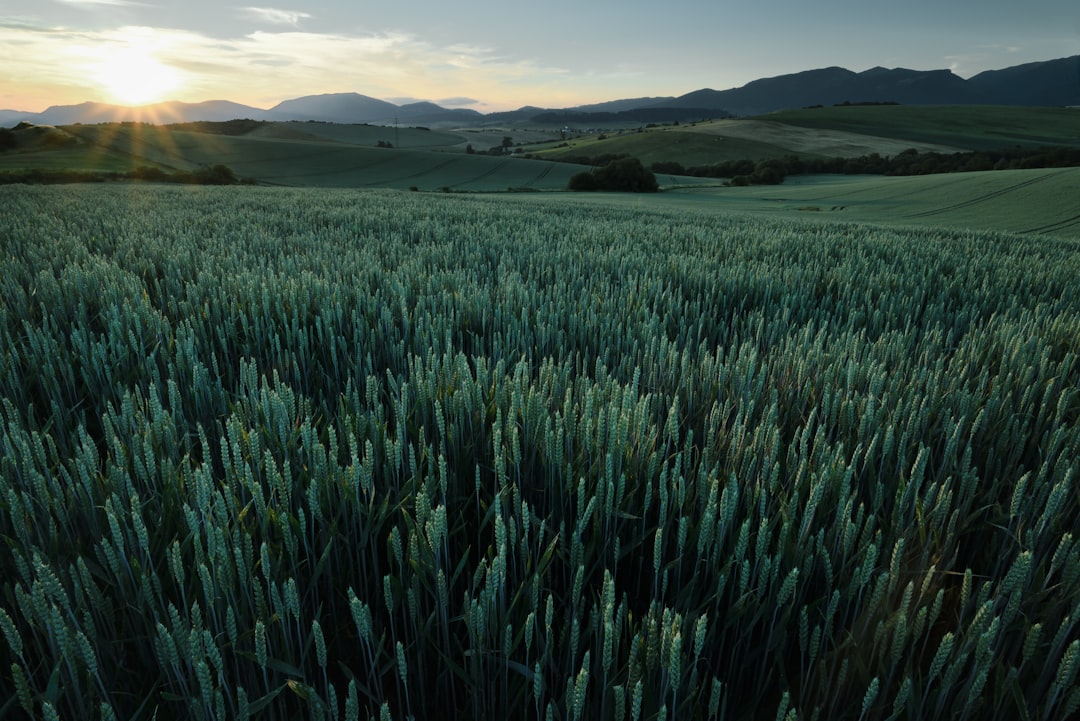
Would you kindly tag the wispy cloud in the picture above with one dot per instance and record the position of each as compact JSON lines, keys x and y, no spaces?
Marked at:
{"x":458,"y":102}
{"x":121,"y":3}
{"x":265,"y":67}
{"x":274,"y":16}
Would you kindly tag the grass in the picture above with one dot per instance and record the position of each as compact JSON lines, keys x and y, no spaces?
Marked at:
{"x":966,"y":127}
{"x":840,"y":132}
{"x":321,"y":155}
{"x":290,"y":154}
{"x":365,"y":135}
{"x":688,"y":147}
{"x":1037,"y":201}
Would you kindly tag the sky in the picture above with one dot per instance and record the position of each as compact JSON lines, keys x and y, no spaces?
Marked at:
{"x":489,"y":55}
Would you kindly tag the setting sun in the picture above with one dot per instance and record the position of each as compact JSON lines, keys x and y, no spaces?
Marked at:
{"x":133,"y":76}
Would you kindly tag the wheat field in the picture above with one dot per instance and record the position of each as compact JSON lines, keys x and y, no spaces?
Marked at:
{"x":274,"y":454}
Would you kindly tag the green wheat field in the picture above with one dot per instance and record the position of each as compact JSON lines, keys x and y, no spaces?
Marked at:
{"x":274,"y":453}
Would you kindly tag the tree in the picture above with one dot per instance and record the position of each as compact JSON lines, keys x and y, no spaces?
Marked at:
{"x":626,"y":175}
{"x":216,"y":175}
{"x":768,"y":172}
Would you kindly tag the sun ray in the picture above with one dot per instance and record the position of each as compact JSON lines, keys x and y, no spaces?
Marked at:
{"x":132,"y":75}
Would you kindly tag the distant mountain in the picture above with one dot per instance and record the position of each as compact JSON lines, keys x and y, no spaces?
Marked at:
{"x":170,"y":112}
{"x":1052,"y":82}
{"x":829,"y":86}
{"x":8,"y":118}
{"x":617,"y":106}
{"x":421,"y":113}
{"x":334,"y":108}
{"x":640,"y":116}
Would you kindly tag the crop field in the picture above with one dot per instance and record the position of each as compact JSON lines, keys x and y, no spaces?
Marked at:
{"x":971,"y":127}
{"x":1042,"y":201}
{"x":369,"y":135}
{"x":299,"y":155}
{"x":840,"y":132}
{"x":687,"y":146}
{"x":340,"y":454}
{"x":719,"y":141}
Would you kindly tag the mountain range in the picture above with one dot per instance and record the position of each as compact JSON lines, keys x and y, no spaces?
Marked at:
{"x":1047,"y":83}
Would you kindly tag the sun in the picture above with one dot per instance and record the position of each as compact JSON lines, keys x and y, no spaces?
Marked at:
{"x":133,"y":76}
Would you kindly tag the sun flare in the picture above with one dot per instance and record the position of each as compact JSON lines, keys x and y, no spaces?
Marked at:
{"x":133,"y":76}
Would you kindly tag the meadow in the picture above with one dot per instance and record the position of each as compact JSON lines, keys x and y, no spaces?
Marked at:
{"x":1038,"y":201}
{"x":971,"y":127}
{"x":296,"y":155}
{"x":836,"y":132}
{"x":343,"y":454}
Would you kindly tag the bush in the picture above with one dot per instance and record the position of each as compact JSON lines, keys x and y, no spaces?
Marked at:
{"x":627,"y":175}
{"x":216,"y":175}
{"x":584,"y":181}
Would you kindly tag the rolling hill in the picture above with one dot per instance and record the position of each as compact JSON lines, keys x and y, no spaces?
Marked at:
{"x":291,"y":154}
{"x":837,"y":132}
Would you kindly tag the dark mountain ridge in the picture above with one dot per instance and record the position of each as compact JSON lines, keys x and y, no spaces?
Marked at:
{"x":1050,"y":83}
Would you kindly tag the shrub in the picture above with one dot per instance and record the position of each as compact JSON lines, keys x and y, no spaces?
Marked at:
{"x":626,"y":175}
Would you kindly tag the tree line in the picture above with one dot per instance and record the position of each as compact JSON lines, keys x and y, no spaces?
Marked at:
{"x":909,"y":162}
{"x":212,"y":175}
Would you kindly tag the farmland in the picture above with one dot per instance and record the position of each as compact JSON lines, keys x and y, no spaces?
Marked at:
{"x":296,"y":154}
{"x":1041,"y":201}
{"x":338,"y":453}
{"x":839,"y":132}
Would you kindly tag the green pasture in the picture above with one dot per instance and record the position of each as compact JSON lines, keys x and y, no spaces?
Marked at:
{"x":369,"y":135}
{"x":1023,"y":201}
{"x":322,"y":155}
{"x":972,"y":127}
{"x":840,"y":132}
{"x":287,"y":154}
{"x":65,"y":159}
{"x":688,"y":147}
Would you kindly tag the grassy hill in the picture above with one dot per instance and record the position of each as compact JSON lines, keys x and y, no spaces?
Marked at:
{"x":292,"y":154}
{"x":1023,"y":201}
{"x":687,"y":145}
{"x":323,"y":155}
{"x":967,"y":127}
{"x":847,"y":131}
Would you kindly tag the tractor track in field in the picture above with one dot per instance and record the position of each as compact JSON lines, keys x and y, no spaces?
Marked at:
{"x":1054,"y":227}
{"x":988,"y":196}
{"x":410,"y":176}
{"x":276,"y":160}
{"x":487,"y":173}
{"x":543,"y":174}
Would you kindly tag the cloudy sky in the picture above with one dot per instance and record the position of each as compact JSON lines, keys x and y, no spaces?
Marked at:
{"x":492,"y":55}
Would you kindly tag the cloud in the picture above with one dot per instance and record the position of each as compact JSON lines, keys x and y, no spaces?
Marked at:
{"x":263,"y":68}
{"x":120,"y":3}
{"x":458,"y":102}
{"x":273,"y":16}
